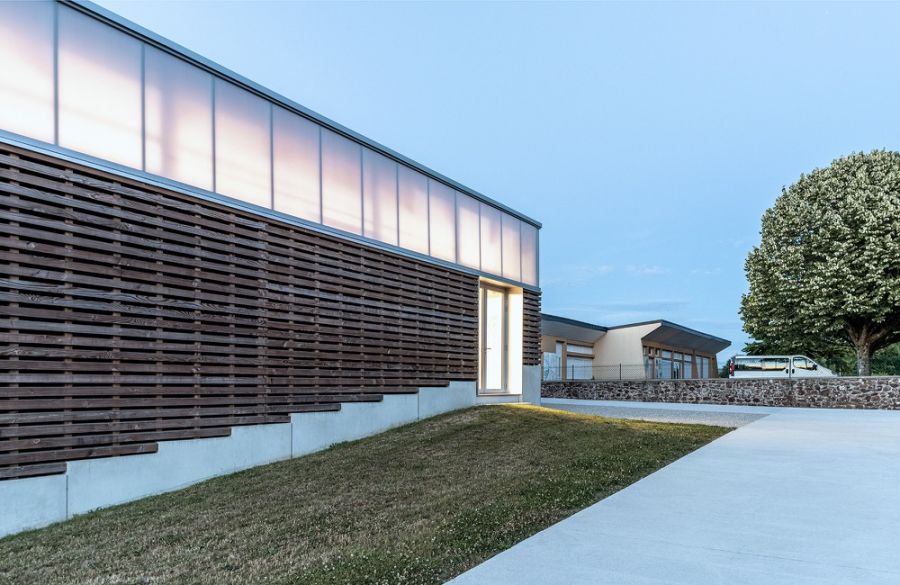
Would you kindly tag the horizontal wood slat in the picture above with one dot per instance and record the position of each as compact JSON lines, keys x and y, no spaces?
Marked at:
{"x":531,"y":329}
{"x":130,"y":315}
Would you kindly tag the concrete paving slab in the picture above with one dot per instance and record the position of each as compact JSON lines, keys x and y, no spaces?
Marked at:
{"x":796,"y":496}
{"x":655,"y":413}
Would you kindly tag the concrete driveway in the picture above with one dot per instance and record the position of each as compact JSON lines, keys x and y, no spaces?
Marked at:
{"x":798,"y":496}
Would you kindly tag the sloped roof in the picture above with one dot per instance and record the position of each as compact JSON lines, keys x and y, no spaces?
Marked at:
{"x":666,"y":333}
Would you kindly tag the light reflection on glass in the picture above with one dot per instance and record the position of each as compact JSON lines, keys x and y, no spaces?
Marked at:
{"x":467,"y":231}
{"x":26,"y":55}
{"x":442,"y":219}
{"x":491,"y":260}
{"x":99,"y":90}
{"x":296,"y":165}
{"x":413,"y":210}
{"x":341,"y":175}
{"x":379,"y":197}
{"x":178,"y":110}
{"x":529,"y":253}
{"x":242,"y":145}
{"x":512,"y":259}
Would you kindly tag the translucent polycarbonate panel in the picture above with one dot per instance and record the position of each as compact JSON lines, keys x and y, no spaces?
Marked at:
{"x":379,"y":197}
{"x":243,"y":150}
{"x":99,"y":89}
{"x":178,"y":136}
{"x":491,"y":256}
{"x":296,"y":165}
{"x":26,"y":69}
{"x":529,"y":254}
{"x":413,"y":201}
{"x":442,"y":220}
{"x":138,"y":105}
{"x":512,"y":256}
{"x":341,"y":172}
{"x":467,"y":231}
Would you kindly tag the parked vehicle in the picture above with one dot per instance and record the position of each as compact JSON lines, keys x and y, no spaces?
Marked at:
{"x":776,"y":366}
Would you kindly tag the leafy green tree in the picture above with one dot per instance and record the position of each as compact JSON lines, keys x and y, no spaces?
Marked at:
{"x":827,"y":270}
{"x":724,"y":370}
{"x":886,"y":362}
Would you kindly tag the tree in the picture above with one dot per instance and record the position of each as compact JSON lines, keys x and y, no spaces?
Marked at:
{"x":827,"y":270}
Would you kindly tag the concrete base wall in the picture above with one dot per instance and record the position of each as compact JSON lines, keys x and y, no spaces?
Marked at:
{"x":314,"y":431}
{"x":531,"y":384}
{"x":98,"y":483}
{"x":435,"y":401}
{"x":32,"y":502}
{"x":90,"y":484}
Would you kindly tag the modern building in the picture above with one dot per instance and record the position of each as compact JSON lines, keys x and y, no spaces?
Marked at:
{"x":189,"y":257}
{"x":575,"y":350}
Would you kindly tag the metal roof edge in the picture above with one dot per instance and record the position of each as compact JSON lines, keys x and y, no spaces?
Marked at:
{"x":675,"y":326}
{"x":574,"y":322}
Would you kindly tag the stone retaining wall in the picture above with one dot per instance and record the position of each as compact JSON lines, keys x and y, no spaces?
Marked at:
{"x":873,"y":392}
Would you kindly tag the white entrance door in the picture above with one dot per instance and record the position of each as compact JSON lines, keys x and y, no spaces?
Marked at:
{"x":493,"y":339}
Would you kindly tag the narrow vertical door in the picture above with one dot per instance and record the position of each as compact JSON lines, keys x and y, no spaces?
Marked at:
{"x":493,"y":340}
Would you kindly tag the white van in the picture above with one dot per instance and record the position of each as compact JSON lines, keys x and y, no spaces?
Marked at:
{"x":776,"y":366}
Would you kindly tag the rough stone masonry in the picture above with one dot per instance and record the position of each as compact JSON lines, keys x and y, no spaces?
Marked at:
{"x":873,"y":392}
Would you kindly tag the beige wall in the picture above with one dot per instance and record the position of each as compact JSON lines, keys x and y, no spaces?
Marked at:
{"x":622,"y":346}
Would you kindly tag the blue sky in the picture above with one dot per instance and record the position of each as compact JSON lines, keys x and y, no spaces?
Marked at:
{"x":648,"y":138}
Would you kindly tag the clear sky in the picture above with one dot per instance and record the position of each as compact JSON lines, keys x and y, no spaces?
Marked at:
{"x":648,"y":138}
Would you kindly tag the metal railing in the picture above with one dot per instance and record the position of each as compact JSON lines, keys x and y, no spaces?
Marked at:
{"x":608,"y":372}
{"x":618,"y":372}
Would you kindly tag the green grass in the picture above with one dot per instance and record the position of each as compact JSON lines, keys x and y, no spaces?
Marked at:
{"x":418,"y":504}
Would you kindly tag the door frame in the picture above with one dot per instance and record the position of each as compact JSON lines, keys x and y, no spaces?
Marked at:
{"x":482,"y":332}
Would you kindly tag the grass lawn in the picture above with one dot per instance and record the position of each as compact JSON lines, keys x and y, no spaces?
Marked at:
{"x":419,"y":504}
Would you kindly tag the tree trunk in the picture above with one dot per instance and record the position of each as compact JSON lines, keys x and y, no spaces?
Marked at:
{"x":865,"y":341}
{"x":867,"y":338}
{"x":863,"y":357}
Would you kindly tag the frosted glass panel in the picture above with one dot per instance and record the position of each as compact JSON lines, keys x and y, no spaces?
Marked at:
{"x":493,"y":339}
{"x":26,"y":61}
{"x":99,"y":90}
{"x":379,"y":197}
{"x":511,"y":254}
{"x":442,"y":219}
{"x":467,"y":233}
{"x":529,"y":254}
{"x":413,"y":210}
{"x":178,"y":110}
{"x":341,"y":172}
{"x":243,"y":168}
{"x":140,"y":106}
{"x":296,"y":166}
{"x":491,"y":260}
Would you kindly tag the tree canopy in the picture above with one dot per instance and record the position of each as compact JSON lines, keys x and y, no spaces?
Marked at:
{"x":827,"y":270}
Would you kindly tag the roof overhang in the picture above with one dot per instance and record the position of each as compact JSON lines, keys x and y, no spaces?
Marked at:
{"x":675,"y":335}
{"x":555,"y":326}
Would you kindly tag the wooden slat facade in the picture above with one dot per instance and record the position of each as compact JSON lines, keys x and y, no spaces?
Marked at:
{"x":130,"y":315}
{"x":531,"y":329}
